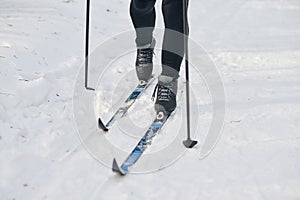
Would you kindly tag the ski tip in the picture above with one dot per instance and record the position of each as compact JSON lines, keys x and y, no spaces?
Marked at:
{"x":101,"y":125}
{"x":117,"y":169}
{"x":189,"y":143}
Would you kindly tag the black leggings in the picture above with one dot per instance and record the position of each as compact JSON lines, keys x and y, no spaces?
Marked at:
{"x":142,"y":13}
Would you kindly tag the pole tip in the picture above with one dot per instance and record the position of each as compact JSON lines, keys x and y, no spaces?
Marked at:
{"x":189,"y":143}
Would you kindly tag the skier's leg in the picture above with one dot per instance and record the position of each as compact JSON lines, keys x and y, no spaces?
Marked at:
{"x":142,"y":14}
{"x":173,"y":37}
{"x":172,"y":54}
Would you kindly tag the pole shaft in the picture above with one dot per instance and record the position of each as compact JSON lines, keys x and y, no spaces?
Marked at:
{"x":86,"y":58}
{"x":186,"y":52}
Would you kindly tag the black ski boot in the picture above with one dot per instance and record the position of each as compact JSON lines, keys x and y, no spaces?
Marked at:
{"x":143,"y":63}
{"x":165,"y":91}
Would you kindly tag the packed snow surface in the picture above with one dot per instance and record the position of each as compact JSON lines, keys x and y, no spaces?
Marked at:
{"x":255,"y":45}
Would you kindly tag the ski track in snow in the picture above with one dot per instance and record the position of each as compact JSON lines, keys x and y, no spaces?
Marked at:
{"x":255,"y":45}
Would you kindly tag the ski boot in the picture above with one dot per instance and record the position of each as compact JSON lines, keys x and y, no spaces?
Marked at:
{"x":165,"y":92}
{"x":144,"y":64}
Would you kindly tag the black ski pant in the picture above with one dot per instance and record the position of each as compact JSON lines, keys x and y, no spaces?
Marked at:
{"x":142,"y":13}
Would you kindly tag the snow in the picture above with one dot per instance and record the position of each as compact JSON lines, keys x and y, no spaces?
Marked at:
{"x":255,"y":46}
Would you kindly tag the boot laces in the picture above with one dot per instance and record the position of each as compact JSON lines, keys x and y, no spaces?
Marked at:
{"x":144,"y":56}
{"x":162,"y":92}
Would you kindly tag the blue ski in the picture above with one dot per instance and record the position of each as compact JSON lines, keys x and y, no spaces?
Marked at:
{"x":140,"y":88}
{"x":144,"y":142}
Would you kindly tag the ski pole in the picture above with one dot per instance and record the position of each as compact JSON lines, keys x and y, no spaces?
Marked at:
{"x":86,"y":58}
{"x":188,"y":143}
